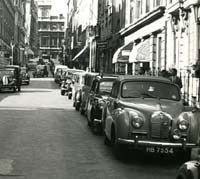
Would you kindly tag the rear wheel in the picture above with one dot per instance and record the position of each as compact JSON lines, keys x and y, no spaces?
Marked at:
{"x":77,"y":106}
{"x":62,"y":92}
{"x":70,"y":96}
{"x":19,"y":88}
{"x":120,"y":151}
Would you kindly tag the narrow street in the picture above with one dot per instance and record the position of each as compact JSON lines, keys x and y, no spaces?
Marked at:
{"x":43,"y":137}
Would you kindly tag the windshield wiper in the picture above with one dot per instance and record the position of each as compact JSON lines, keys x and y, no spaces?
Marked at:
{"x":149,"y":95}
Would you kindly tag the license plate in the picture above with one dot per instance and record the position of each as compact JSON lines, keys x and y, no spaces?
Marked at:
{"x":161,"y":150}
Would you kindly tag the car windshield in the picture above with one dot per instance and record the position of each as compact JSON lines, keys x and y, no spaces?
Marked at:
{"x":105,"y":87}
{"x":150,"y":89}
{"x":5,"y":72}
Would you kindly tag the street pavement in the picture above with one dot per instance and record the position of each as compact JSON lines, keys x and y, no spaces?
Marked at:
{"x":43,"y":137}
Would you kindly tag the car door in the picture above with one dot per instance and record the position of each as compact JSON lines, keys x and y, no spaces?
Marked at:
{"x":91,"y":98}
{"x":111,"y":102}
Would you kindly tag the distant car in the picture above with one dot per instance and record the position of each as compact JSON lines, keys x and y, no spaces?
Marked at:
{"x":41,"y":71}
{"x":25,"y":76}
{"x":88,"y":79}
{"x":147,"y":113}
{"x":10,"y":78}
{"x":79,"y":79}
{"x":67,"y":73}
{"x":99,"y":92}
{"x":58,"y":71}
{"x":32,"y":66}
{"x":66,"y":88}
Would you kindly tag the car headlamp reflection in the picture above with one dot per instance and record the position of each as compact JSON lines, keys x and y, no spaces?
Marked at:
{"x":136,"y":120}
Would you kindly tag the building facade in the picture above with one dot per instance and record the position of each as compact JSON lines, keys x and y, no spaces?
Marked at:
{"x":51,"y":31}
{"x":81,"y":34}
{"x":7,"y":21}
{"x":31,"y":25}
{"x":160,"y":35}
{"x":18,"y":44}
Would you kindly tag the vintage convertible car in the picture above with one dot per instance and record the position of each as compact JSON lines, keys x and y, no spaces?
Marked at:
{"x":147,"y":113}
{"x":99,"y":92}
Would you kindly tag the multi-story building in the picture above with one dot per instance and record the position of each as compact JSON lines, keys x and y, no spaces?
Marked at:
{"x":82,"y":21}
{"x":31,"y":26}
{"x":19,"y":33}
{"x":159,"y":35}
{"x":51,"y":31}
{"x":7,"y":20}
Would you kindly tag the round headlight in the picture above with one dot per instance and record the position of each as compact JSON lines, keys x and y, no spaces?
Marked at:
{"x":136,"y":120}
{"x":183,"y":124}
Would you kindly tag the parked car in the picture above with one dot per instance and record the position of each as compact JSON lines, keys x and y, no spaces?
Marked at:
{"x":67,"y":73}
{"x":189,"y":170}
{"x":25,"y":76}
{"x":41,"y":71}
{"x":78,"y":79}
{"x":85,"y":90}
{"x":99,"y":92}
{"x":58,"y":72}
{"x":66,"y":88}
{"x":10,"y":77}
{"x":147,"y":113}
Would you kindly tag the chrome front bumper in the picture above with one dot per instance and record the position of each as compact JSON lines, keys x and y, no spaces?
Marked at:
{"x":155,"y":144}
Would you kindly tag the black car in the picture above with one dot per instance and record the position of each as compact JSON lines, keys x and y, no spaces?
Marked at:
{"x":99,"y":92}
{"x":10,"y":78}
{"x":25,"y":76}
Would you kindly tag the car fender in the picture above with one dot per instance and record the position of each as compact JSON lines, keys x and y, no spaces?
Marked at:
{"x":122,"y":122}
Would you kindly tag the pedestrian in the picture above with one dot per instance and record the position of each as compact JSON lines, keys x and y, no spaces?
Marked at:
{"x":141,"y":71}
{"x":174,"y":78}
{"x":165,"y":74}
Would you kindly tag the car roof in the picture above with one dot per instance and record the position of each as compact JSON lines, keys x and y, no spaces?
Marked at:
{"x":144,"y":78}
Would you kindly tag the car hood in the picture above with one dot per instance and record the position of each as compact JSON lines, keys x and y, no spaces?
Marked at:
{"x":149,"y":105}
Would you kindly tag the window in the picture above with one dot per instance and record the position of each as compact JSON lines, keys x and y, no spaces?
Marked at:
{"x":131,"y":11}
{"x":147,"y":6}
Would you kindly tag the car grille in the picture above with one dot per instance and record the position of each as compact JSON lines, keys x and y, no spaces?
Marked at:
{"x":160,"y":126}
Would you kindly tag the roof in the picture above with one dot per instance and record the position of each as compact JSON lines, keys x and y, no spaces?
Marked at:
{"x":140,"y":77}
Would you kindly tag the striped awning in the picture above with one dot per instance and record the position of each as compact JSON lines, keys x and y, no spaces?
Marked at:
{"x":122,"y":54}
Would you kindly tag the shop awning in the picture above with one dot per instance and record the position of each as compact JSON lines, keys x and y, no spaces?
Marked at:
{"x":80,"y":53}
{"x":140,"y":52}
{"x":28,"y":51}
{"x":122,"y":54}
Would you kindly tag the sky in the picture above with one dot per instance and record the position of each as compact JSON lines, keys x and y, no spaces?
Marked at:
{"x":59,"y":7}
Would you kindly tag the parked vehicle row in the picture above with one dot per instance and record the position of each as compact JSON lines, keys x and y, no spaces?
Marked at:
{"x":139,"y":113}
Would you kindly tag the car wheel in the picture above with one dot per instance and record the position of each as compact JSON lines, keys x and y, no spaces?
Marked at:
{"x":77,"y":106}
{"x":106,"y":140}
{"x":120,"y":151}
{"x":82,"y":111}
{"x":62,"y":92}
{"x":70,"y":96}
{"x":19,"y":88}
{"x":28,"y":83}
{"x":14,"y":89}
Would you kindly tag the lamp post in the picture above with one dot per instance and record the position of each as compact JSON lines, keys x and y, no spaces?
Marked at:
{"x":12,"y":50}
{"x":196,"y":13}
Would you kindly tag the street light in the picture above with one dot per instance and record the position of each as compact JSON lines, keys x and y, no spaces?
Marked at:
{"x":12,"y":50}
